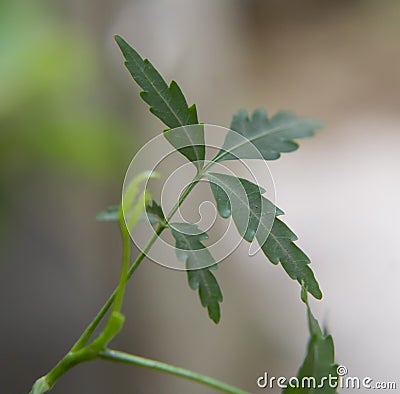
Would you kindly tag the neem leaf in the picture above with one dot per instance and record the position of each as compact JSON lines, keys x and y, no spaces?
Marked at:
{"x":155,"y":213}
{"x":209,"y":291}
{"x":319,"y":364}
{"x":270,"y":136}
{"x":167,"y":103}
{"x":134,"y":204}
{"x":245,"y":202}
{"x":188,"y":140}
{"x":111,"y":214}
{"x":192,"y":251}
{"x":280,"y":248}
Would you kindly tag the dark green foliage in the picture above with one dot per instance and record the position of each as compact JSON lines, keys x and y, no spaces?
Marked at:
{"x":255,"y":137}
{"x":209,"y":291}
{"x":155,"y":214}
{"x":253,"y":215}
{"x":167,"y":103}
{"x":262,"y":137}
{"x":280,"y":248}
{"x":244,"y":202}
{"x":224,"y":206}
{"x":319,"y":362}
{"x":192,"y":251}
{"x":188,"y":140}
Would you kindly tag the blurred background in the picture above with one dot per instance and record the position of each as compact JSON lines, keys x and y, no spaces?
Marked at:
{"x":70,"y":122}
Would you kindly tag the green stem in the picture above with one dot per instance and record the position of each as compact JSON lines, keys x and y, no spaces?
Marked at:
{"x":81,"y":351}
{"x":46,"y":383}
{"x":84,"y":338}
{"x":183,"y":196}
{"x":116,"y":319}
{"x":126,"y":255}
{"x":114,"y":355}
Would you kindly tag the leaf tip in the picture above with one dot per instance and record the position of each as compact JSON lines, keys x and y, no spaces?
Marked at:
{"x":214,"y":313}
{"x":314,"y":290}
{"x":317,"y":294}
{"x":119,"y":40}
{"x":216,"y":320}
{"x":259,"y":113}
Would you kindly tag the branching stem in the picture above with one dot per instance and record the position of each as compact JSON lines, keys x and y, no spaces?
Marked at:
{"x":81,"y":351}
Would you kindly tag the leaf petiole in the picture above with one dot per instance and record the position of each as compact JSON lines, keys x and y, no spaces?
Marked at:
{"x":122,"y":357}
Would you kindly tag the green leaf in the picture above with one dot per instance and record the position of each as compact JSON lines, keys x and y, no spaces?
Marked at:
{"x":319,"y":362}
{"x":280,"y":248}
{"x":111,"y":214}
{"x":133,"y":215}
{"x":244,"y":203}
{"x":199,"y":263}
{"x":254,"y":216}
{"x":260,"y":137}
{"x":209,"y":291}
{"x":188,"y":140}
{"x":167,"y":103}
{"x":134,"y":204}
{"x":155,"y":213}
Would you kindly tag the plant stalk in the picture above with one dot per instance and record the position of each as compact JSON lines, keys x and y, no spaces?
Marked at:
{"x":114,"y":355}
{"x":82,"y":352}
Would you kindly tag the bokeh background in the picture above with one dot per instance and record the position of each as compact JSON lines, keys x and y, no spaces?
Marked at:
{"x":70,"y":122}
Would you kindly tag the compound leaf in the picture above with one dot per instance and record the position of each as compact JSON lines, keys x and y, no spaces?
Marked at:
{"x":209,"y":291}
{"x":155,"y":213}
{"x":167,"y":103}
{"x":255,"y":216}
{"x":133,"y":202}
{"x":280,"y":248}
{"x":189,"y":141}
{"x":244,"y":203}
{"x":319,"y":363}
{"x":199,"y":263}
{"x":260,"y":137}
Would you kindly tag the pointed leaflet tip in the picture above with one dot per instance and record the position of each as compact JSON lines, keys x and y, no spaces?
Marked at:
{"x":194,"y":253}
{"x":254,"y":215}
{"x":319,"y":363}
{"x":167,"y":103}
{"x":121,"y":42}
